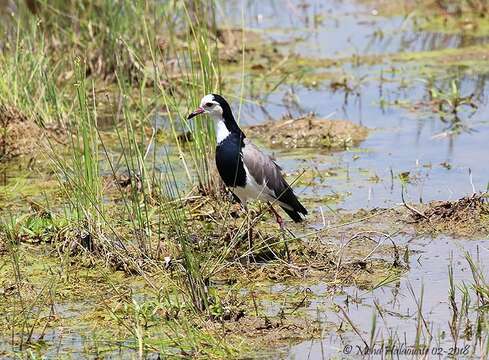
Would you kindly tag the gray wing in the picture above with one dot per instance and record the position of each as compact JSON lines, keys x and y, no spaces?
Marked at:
{"x":265,"y":171}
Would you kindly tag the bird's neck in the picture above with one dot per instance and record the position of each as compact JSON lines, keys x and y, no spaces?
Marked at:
{"x":226,"y":125}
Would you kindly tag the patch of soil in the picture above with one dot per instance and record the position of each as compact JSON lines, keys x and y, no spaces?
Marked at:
{"x":314,"y":257}
{"x":309,"y":132}
{"x":466,"y":216}
{"x":20,"y":135}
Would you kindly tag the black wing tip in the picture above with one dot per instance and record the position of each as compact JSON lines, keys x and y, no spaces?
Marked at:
{"x":302,"y":209}
{"x":296,"y":215}
{"x":296,"y":211}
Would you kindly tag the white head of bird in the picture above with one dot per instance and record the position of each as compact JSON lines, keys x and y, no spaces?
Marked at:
{"x":209,"y":105}
{"x":218,"y":108}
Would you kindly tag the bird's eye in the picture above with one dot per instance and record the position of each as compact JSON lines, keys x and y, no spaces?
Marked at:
{"x":209,"y":104}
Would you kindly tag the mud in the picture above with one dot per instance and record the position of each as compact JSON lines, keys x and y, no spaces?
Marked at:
{"x":466,"y":217}
{"x":272,"y":332}
{"x":309,"y":132}
{"x":233,"y":41}
{"x":21,"y":135}
{"x":16,"y":132}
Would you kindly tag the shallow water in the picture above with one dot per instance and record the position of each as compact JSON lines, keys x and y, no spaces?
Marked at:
{"x":401,"y":140}
{"x":337,"y":28}
{"x":399,"y":301}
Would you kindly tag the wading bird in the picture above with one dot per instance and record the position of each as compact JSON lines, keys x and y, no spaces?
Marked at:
{"x":244,"y":169}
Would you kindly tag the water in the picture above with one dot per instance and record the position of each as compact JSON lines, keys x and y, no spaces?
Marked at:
{"x":399,"y":301}
{"x":401,"y":140}
{"x":336,"y":28}
{"x":442,"y":166}
{"x":396,"y":305}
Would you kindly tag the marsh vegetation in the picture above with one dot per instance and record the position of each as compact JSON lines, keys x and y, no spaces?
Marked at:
{"x":117,"y":239}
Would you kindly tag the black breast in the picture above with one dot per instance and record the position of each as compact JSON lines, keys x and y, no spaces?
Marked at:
{"x":229,"y":161}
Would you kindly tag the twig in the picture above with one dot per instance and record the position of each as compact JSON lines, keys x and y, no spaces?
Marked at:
{"x":410,"y":208}
{"x":352,"y":325}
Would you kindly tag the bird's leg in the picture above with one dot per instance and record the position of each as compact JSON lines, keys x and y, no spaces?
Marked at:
{"x":250,"y":235}
{"x":281,"y":223}
{"x":278,"y":218}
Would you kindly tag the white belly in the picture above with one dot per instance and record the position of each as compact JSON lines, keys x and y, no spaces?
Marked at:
{"x":253,"y":190}
{"x":251,"y":193}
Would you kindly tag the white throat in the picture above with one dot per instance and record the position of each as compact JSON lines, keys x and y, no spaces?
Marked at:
{"x":222,"y":131}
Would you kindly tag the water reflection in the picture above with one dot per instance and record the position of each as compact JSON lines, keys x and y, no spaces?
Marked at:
{"x":337,"y":28}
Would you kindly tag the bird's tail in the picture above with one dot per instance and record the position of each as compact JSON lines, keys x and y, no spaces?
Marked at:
{"x":296,"y":214}
{"x":290,"y":204}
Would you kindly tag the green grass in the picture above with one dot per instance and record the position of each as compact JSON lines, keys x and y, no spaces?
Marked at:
{"x":55,"y":79}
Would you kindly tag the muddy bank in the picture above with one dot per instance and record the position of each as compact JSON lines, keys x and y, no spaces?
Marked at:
{"x":466,"y":217}
{"x":309,"y":132}
{"x":18,"y":135}
{"x":233,"y":42}
{"x":21,"y":135}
